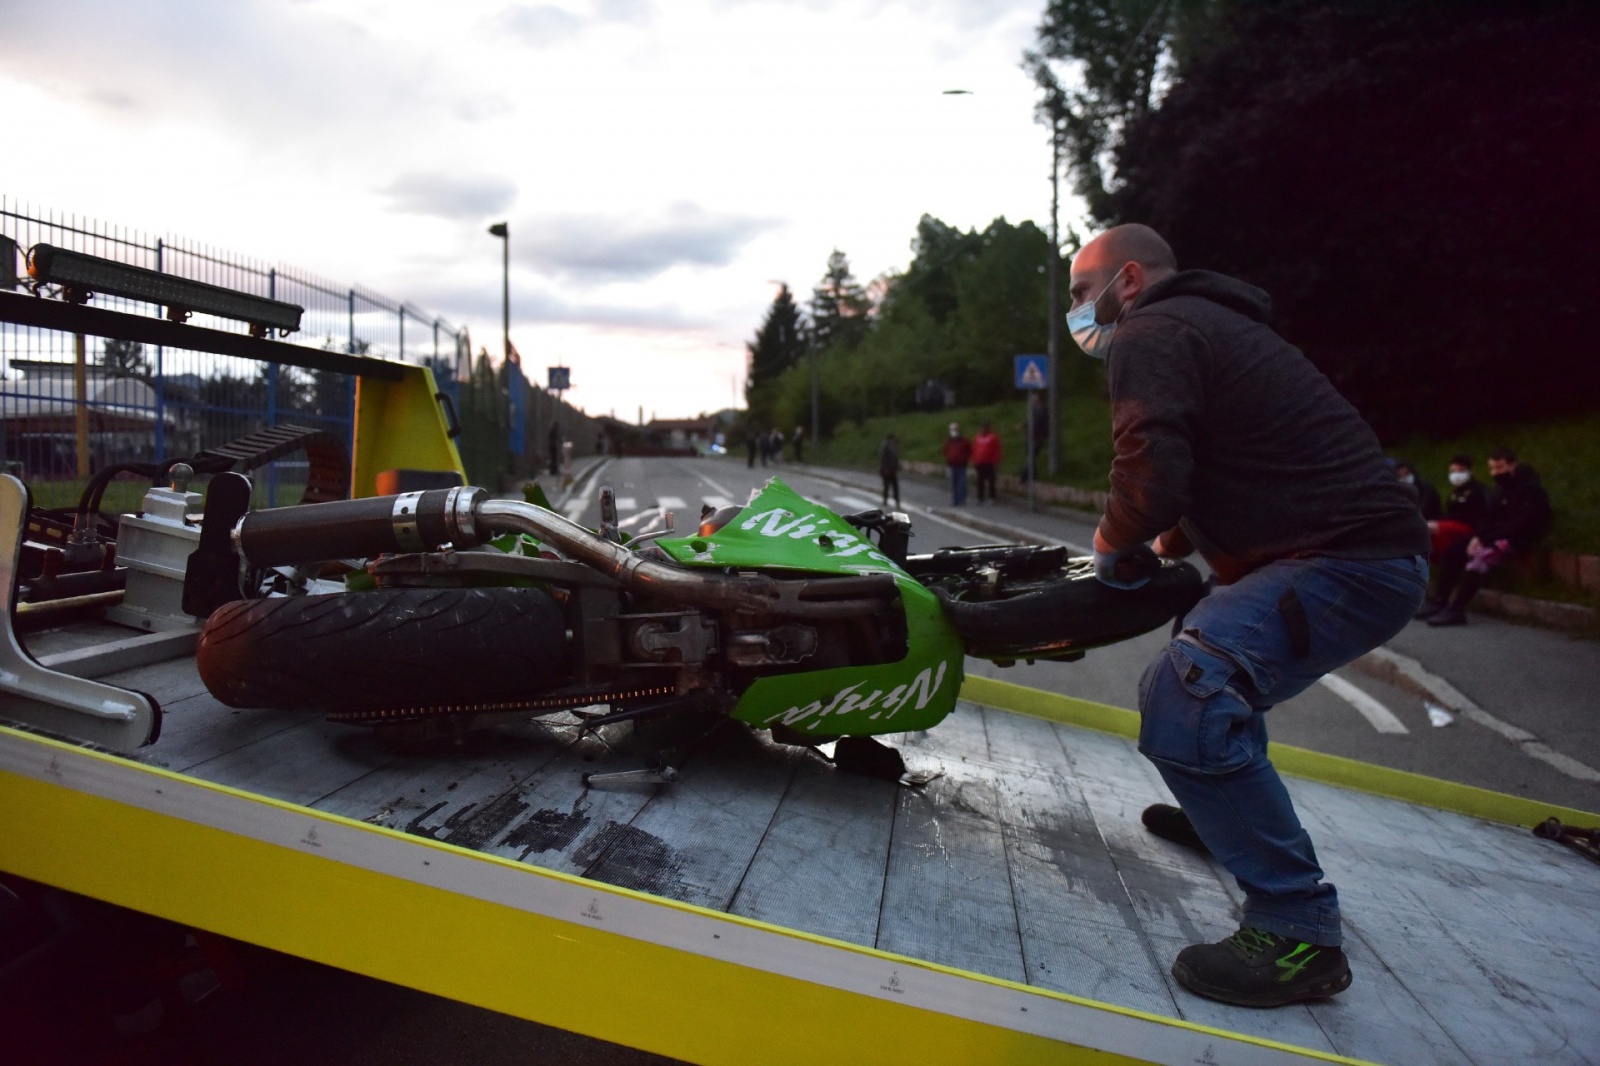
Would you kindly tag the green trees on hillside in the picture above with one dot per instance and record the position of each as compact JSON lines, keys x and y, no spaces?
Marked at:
{"x":967,"y":302}
{"x":1409,"y":180}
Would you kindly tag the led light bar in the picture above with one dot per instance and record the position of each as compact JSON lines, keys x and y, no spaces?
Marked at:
{"x":81,"y":276}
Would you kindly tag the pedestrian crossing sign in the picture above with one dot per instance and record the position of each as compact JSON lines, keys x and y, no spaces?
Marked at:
{"x":1033,"y":371}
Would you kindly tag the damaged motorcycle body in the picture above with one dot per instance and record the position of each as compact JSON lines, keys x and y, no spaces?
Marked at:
{"x":781,"y":614}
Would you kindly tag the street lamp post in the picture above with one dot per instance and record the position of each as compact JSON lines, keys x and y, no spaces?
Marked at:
{"x":503,"y":231}
{"x":1054,"y":337}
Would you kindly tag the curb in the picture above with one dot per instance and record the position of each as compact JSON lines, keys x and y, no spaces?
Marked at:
{"x":1551,"y":613}
{"x":1409,"y":675}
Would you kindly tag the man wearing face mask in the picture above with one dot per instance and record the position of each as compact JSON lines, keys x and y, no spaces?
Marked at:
{"x":1516,"y":519}
{"x":1229,"y":440}
{"x":1464,"y":508}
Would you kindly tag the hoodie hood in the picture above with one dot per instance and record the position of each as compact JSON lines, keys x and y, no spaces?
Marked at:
{"x":1209,"y":285}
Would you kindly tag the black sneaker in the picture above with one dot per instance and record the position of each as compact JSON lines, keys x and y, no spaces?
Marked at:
{"x":1449,"y":616}
{"x":1254,"y":968}
{"x":1170,"y":823}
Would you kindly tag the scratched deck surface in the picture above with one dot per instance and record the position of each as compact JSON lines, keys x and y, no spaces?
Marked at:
{"x":1471,"y":942}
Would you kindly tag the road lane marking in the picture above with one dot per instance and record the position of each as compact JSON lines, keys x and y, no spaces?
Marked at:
{"x":712,"y":485}
{"x":1376,"y":714}
{"x":672,"y":503}
{"x":855,"y":503}
{"x":574,"y":510}
{"x":627,"y":503}
{"x":1402,"y":671}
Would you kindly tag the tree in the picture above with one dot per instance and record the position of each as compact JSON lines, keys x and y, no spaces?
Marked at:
{"x":840,"y":308}
{"x":778,"y":345}
{"x":1401,"y":178}
{"x":1116,"y":54}
{"x":126,"y":359}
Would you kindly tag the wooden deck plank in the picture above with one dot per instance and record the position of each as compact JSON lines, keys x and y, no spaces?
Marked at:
{"x":822,"y":863}
{"x":1505,"y":990}
{"x":168,"y":682}
{"x":695,"y":839}
{"x":1079,"y":930}
{"x":565,"y":825}
{"x":947,"y":896}
{"x":462,"y":794}
{"x":198,"y":728}
{"x":1179,"y":895}
{"x":301,"y":764}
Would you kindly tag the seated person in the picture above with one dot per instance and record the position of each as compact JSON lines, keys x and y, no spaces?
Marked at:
{"x":1517,"y":518}
{"x":1427,"y":495}
{"x":1463,"y":508}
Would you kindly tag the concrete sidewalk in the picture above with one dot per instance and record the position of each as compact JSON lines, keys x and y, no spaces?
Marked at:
{"x":1537,"y":688}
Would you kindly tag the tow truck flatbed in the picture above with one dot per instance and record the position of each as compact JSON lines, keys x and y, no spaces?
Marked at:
{"x":767,"y":908}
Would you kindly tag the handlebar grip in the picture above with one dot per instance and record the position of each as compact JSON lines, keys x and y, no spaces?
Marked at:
{"x":409,"y":522}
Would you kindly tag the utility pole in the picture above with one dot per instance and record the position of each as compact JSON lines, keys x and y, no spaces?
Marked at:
{"x":816,"y":423}
{"x":1053,"y":341}
{"x":503,"y":231}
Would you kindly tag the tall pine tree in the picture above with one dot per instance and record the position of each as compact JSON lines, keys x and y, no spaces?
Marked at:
{"x":839,"y":307}
{"x":778,"y":345}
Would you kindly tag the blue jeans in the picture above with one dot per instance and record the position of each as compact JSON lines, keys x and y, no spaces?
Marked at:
{"x":1244,"y":648}
{"x":958,"y":485}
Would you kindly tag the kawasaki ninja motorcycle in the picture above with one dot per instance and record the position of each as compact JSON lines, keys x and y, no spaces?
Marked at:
{"x":780,"y":614}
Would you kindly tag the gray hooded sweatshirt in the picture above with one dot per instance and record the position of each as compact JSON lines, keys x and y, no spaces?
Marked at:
{"x":1221,"y":423}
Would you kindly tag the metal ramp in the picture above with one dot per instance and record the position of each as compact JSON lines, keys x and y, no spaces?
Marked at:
{"x":765,"y":908}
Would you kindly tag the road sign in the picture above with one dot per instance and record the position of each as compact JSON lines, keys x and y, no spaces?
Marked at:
{"x":560,"y":378}
{"x":1033,"y":371}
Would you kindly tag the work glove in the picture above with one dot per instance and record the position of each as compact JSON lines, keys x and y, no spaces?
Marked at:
{"x":1129,"y":568}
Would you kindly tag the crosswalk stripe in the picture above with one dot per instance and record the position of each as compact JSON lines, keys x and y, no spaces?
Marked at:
{"x":627,"y":503}
{"x":1380,"y":717}
{"x":672,"y":503}
{"x":854,"y":503}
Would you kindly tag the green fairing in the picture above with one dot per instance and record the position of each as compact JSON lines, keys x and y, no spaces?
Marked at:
{"x":781,"y":530}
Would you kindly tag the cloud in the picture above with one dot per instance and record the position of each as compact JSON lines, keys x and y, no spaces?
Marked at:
{"x":545,"y":25}
{"x":277,"y":73}
{"x":610,"y":248}
{"x":533,"y":305}
{"x":450,"y":196}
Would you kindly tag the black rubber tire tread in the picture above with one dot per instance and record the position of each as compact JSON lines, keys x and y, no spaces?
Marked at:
{"x":383,"y":649}
{"x":1071,"y":612}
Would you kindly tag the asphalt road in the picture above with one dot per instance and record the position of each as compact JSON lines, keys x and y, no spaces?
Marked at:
{"x":1542,"y":682}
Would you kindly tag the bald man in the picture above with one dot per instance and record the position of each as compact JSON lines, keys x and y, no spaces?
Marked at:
{"x":1228,"y":440}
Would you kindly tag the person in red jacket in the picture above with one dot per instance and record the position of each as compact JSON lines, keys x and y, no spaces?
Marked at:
{"x":957,"y":454}
{"x":986,"y":457}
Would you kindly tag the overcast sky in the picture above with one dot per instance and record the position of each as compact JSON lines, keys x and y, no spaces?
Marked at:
{"x":661,"y":165}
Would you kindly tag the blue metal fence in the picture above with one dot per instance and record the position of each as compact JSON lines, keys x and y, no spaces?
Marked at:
{"x":149,"y":403}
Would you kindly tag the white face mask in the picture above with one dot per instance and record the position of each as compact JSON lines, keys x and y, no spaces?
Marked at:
{"x":1091,"y":336}
{"x":1460,"y":477}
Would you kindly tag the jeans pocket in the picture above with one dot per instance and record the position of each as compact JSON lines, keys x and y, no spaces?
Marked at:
{"x":1191,"y":717}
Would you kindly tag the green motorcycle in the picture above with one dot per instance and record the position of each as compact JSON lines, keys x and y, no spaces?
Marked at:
{"x":780,"y":614}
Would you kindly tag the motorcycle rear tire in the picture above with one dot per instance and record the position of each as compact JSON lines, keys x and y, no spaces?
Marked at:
{"x":384,"y":649}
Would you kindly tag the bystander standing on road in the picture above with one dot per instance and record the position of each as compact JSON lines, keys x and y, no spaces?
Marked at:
{"x":889,"y":468}
{"x":1229,"y":440}
{"x":1517,"y":519}
{"x":553,"y":448}
{"x":799,"y":441}
{"x":957,"y":454}
{"x":1464,"y":508}
{"x":985,"y":460}
{"x":1427,"y":495}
